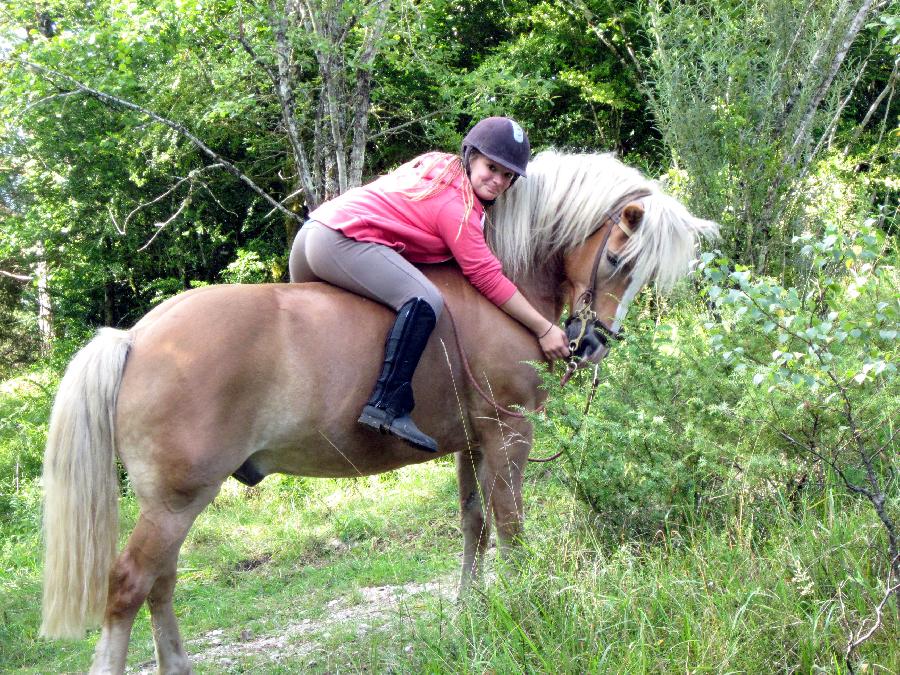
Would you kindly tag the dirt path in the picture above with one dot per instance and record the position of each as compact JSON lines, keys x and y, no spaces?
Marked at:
{"x":299,"y":639}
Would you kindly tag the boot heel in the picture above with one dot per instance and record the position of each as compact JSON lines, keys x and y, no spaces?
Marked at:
{"x":375,"y":418}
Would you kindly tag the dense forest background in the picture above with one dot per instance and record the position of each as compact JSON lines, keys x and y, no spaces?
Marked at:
{"x":149,"y":148}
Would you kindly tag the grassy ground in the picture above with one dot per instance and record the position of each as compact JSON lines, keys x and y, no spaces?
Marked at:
{"x":265,"y":572}
{"x":303,"y":575}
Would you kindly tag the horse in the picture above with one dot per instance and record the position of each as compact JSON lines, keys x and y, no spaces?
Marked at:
{"x":249,"y":380}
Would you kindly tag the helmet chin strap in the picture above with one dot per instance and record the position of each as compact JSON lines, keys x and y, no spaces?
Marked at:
{"x":467,"y":155}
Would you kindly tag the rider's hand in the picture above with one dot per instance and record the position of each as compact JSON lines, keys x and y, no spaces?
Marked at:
{"x":554,"y":343}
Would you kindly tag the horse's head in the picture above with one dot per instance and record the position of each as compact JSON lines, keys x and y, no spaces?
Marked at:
{"x":599,"y":280}
{"x":613,"y":229}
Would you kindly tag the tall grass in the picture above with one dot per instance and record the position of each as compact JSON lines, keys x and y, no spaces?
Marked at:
{"x":692,"y":600}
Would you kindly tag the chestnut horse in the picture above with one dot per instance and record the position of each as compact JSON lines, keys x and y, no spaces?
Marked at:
{"x":258,"y":379}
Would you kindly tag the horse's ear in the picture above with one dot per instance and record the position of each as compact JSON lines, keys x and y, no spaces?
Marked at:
{"x":632,"y":213}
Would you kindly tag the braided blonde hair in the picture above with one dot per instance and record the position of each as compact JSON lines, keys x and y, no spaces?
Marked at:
{"x":425,"y":188}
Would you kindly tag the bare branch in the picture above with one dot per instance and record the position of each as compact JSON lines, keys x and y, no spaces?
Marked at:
{"x":631,"y":64}
{"x":17,"y":277}
{"x":394,"y":129}
{"x":190,"y":177}
{"x":846,"y":42}
{"x":245,"y":43}
{"x":47,"y":99}
{"x":162,"y":225}
{"x":814,"y":63}
{"x":889,"y":87}
{"x":179,"y":128}
{"x":112,"y":215}
{"x":832,"y":125}
{"x":287,"y":200}
{"x":854,"y":643}
{"x":284,"y":87}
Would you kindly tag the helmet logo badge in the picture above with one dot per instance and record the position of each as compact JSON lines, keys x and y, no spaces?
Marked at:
{"x":518,"y":133}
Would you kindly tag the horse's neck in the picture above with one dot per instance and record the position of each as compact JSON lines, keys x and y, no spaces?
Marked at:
{"x":543,"y":289}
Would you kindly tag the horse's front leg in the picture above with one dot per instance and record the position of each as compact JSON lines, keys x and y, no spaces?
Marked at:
{"x":475,"y":527}
{"x":507,"y":460}
{"x":505,"y":445}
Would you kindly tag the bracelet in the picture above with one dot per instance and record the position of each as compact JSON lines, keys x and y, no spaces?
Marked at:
{"x":546,"y":332}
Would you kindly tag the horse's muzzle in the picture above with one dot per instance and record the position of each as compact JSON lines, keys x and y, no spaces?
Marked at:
{"x":589,"y":340}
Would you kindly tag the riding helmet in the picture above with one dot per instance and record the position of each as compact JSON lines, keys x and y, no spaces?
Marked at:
{"x":500,"y":139}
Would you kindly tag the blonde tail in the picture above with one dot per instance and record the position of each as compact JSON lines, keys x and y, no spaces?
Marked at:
{"x":81,"y":488}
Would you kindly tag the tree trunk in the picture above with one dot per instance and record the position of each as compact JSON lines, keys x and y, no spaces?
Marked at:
{"x":45,"y":307}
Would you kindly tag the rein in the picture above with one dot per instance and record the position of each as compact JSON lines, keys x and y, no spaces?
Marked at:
{"x":507,"y":411}
{"x":472,"y":380}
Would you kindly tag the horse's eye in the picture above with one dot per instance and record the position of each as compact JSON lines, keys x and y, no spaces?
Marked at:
{"x":613,"y":259}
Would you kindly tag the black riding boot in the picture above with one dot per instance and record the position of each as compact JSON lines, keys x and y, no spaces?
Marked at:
{"x":392,"y":399}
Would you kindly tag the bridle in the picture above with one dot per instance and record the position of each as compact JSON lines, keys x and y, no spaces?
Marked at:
{"x":583,"y":324}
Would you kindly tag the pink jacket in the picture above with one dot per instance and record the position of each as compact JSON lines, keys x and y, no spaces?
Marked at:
{"x":427,"y":231}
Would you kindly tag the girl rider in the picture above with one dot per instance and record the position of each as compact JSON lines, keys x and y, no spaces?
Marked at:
{"x":428,"y":210}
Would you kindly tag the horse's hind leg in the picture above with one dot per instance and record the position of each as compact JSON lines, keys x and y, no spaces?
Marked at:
{"x":476,"y":528}
{"x":145,"y":570}
{"x":170,"y":654}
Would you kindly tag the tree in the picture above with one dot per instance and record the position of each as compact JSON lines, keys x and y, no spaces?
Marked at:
{"x":747,"y":96}
{"x":826,"y":351}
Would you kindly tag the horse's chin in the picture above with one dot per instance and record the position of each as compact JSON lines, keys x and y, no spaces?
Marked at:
{"x":594,"y":356}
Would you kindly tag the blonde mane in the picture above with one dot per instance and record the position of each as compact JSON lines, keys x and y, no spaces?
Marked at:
{"x":563,"y":201}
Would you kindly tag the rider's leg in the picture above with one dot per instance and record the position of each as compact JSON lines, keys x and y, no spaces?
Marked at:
{"x":382,"y":274}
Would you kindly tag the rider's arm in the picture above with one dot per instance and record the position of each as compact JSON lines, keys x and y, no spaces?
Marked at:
{"x":551,"y":337}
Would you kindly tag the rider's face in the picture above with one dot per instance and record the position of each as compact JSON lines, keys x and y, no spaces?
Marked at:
{"x":489,"y":178}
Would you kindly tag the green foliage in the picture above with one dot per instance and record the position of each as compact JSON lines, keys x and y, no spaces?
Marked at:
{"x":19,"y":343}
{"x":276,"y":564}
{"x":255,"y":264}
{"x":122,"y":209}
{"x":748,"y":100}
{"x":650,"y":451}
{"x":826,"y":352}
{"x":722,"y":411}
{"x":556,"y":76}
{"x":24,"y":410}
{"x":836,"y":332}
{"x":694,"y":600}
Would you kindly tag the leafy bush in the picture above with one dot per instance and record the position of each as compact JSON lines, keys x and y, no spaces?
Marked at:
{"x":823,"y":356}
{"x":256,"y":264}
{"x":724,"y":411}
{"x":24,"y":410}
{"x":748,"y":97}
{"x":657,"y":444}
